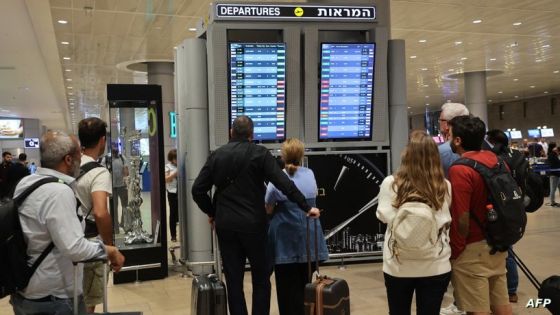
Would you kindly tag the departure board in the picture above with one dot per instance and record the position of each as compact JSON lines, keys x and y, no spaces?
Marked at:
{"x":258,"y":87}
{"x":346,"y":98}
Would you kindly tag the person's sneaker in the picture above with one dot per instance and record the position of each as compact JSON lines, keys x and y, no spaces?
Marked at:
{"x":513,"y":298}
{"x":451,"y":310}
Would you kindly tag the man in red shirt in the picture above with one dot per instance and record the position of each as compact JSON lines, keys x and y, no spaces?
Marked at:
{"x":478,"y":277}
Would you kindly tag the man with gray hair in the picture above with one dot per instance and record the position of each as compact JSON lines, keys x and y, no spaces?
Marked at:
{"x":448,"y":112}
{"x":50,"y":225}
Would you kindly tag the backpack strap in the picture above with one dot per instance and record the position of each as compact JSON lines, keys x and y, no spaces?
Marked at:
{"x":21,"y":197}
{"x":84,"y":169}
{"x":19,"y":200}
{"x":486,"y":174}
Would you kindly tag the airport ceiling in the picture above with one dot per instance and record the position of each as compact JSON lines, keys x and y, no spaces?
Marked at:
{"x":57,"y":56}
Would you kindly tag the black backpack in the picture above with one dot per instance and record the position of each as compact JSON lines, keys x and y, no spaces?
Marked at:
{"x":505,"y":196}
{"x":530,"y":183}
{"x":16,"y":271}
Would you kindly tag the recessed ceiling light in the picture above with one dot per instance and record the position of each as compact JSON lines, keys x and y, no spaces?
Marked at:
{"x":412,"y":57}
{"x":517,"y":23}
{"x":70,"y":93}
{"x":516,"y":96}
{"x":65,"y":43}
{"x":458,"y":42}
{"x":424,"y":69}
{"x":538,"y":60}
{"x":492,"y":59}
{"x":62,"y":22}
{"x":68,"y":79}
{"x":450,"y":69}
{"x":489,"y":101}
{"x":70,"y":87}
{"x":546,"y":46}
{"x":66,"y":58}
{"x":427,"y":104}
{"x":192,"y":29}
{"x":532,"y":86}
{"x":556,"y":71}
{"x":427,"y":96}
{"x":68,"y":70}
{"x":514,"y":44}
{"x":515,"y":80}
{"x":409,"y":107}
{"x":464,"y":58}
{"x":500,"y":92}
{"x":425,"y":85}
{"x":422,"y":41}
{"x":545,"y":92}
{"x":477,"y":21}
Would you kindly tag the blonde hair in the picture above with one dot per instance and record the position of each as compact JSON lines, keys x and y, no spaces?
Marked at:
{"x":292,"y":154}
{"x":420,"y":177}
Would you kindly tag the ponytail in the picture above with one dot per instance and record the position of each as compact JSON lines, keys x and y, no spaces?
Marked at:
{"x":291,"y":169}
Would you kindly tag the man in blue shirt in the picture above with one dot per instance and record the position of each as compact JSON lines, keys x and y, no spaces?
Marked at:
{"x":448,"y":112}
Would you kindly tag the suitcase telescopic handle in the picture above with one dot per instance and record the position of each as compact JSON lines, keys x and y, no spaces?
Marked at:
{"x":217,"y":256}
{"x":310,"y":274}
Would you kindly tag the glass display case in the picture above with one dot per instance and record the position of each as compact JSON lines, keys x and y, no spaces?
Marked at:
{"x":136,"y":162}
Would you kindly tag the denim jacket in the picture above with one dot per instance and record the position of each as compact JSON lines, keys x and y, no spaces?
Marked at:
{"x":287,"y":233}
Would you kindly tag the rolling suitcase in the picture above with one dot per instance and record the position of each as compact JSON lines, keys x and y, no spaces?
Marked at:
{"x":548,"y":289}
{"x":324,"y":296}
{"x":75,"y":300}
{"x":208,"y":290}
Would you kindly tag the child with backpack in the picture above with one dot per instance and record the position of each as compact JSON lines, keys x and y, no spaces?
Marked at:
{"x":414,"y":202}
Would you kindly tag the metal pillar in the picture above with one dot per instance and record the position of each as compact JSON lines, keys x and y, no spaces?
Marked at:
{"x":398,"y":123}
{"x":192,"y":136}
{"x":475,"y":94}
{"x":162,"y":73}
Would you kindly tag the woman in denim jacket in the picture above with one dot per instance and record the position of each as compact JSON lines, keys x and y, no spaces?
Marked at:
{"x":287,"y":234}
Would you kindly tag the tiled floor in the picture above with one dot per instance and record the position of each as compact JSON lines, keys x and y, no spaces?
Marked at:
{"x":539,"y":249}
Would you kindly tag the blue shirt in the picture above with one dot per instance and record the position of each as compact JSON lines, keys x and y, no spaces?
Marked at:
{"x":447,"y":157}
{"x":287,"y":233}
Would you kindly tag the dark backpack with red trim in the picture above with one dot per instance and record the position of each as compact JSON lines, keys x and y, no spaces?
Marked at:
{"x":506,"y":198}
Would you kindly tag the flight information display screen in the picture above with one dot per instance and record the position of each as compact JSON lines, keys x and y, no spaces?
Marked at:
{"x":534,"y":133}
{"x":257,"y":87}
{"x":547,"y":132}
{"x":516,"y":134}
{"x":346,"y":98}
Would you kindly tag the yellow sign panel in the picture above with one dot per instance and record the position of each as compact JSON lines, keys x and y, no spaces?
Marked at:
{"x":298,"y":12}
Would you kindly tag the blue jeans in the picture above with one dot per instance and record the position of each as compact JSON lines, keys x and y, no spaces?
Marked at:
{"x":512,"y":275}
{"x":23,"y":306}
{"x":553,"y":185}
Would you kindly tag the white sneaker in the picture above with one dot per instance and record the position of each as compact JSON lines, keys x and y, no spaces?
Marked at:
{"x":451,"y":310}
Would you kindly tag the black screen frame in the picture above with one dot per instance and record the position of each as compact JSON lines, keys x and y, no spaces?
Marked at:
{"x":358,"y":139}
{"x":260,"y":141}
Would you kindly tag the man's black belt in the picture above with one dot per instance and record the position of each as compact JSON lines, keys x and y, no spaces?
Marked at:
{"x":48,"y":298}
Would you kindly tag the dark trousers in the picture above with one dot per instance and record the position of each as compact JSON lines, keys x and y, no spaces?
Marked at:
{"x":173,"y":214}
{"x":122,"y":194}
{"x":236,"y":247}
{"x":429,"y":293}
{"x":290,"y":287}
{"x":512,"y":275}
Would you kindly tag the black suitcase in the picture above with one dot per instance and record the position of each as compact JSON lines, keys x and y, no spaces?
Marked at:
{"x":548,"y":289}
{"x":324,"y":296}
{"x":208,"y":296}
{"x":208,"y":290}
